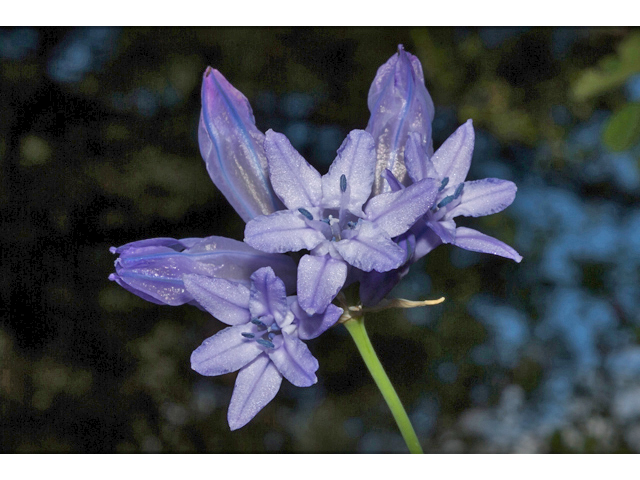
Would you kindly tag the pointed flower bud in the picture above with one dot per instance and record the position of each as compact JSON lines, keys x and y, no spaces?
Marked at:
{"x":399,"y":104}
{"x":153,"y":269}
{"x":232,"y":148}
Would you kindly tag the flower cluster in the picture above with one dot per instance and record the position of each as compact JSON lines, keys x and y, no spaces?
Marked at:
{"x":386,"y":201}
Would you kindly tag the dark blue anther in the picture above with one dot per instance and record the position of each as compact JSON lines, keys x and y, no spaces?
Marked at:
{"x":445,"y":201}
{"x":445,"y":180}
{"x":458,"y":191}
{"x":248,"y":335}
{"x":274,"y":328}
{"x":327,"y":221}
{"x":257,"y":322}
{"x":265,"y":343}
{"x":351,"y":225}
{"x":306,"y":213}
{"x":270,"y":335}
{"x":343,"y":183}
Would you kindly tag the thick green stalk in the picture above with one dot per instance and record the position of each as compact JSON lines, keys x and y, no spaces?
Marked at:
{"x":360,"y":337}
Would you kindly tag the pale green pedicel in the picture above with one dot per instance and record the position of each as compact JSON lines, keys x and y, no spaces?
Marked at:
{"x":355,"y":326}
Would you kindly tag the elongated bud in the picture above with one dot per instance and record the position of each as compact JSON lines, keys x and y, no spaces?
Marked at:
{"x":153,"y":269}
{"x":399,"y":104}
{"x":232,"y":148}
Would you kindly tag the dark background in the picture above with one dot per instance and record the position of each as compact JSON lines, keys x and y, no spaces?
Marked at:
{"x":98,"y":147}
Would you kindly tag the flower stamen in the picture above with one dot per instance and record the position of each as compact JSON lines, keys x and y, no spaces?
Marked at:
{"x":446,"y":201}
{"x":306,"y":213}
{"x":458,"y":191}
{"x":258,"y":323}
{"x":265,"y":343}
{"x":274,"y":328}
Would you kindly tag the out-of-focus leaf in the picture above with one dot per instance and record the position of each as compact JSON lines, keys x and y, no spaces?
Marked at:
{"x":611,"y":72}
{"x":622,"y":131}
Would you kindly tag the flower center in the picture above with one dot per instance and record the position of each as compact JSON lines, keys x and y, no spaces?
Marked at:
{"x":438,"y":211}
{"x":263,"y":334}
{"x":331,"y":226}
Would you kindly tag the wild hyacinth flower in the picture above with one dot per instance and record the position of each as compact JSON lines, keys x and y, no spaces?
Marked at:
{"x":399,"y":104}
{"x":385,"y":201}
{"x":153,"y":268}
{"x":232,"y":148}
{"x":325,"y":216}
{"x":457,"y":197}
{"x":264,"y":340}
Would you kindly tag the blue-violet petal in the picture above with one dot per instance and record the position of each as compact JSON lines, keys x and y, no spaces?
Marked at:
{"x":320,"y":278}
{"x":256,"y":385}
{"x":225,"y":300}
{"x":224,"y":352}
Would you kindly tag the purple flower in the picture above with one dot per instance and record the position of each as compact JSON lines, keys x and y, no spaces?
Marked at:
{"x":264,"y":340}
{"x":232,"y":148}
{"x":325,"y":216}
{"x":399,"y":104}
{"x":153,"y":269}
{"x":456,"y":197}
{"x":393,"y":104}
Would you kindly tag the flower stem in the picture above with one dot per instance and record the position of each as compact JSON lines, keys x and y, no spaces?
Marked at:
{"x":355,"y":326}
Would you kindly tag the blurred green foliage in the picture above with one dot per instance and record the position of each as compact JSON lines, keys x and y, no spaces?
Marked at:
{"x":611,"y":71}
{"x":622,"y":131}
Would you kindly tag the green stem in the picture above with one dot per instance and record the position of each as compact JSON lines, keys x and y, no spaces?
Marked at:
{"x":361,"y":339}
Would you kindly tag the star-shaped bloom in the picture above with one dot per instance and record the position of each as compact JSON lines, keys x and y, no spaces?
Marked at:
{"x":264,"y":340}
{"x":401,"y":115}
{"x":325,"y":216}
{"x":455,"y":197}
{"x":153,"y":268}
{"x":449,"y":165}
